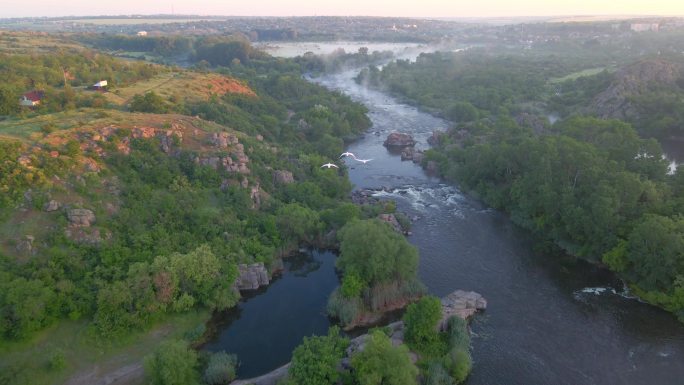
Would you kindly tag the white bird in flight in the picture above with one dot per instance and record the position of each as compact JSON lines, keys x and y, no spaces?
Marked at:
{"x":364,"y":161}
{"x":348,"y":154}
{"x":329,"y":165}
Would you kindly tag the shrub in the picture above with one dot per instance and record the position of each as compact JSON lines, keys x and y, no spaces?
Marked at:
{"x":344,"y":309}
{"x":381,"y":363}
{"x":352,"y":286}
{"x":315,"y":361}
{"x":437,"y":375}
{"x":458,"y":333}
{"x":57,"y":360}
{"x":460,"y":364}
{"x":221,"y":369}
{"x":172,"y":363}
{"x":421,"y":320}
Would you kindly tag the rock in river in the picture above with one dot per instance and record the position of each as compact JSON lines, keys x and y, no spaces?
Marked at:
{"x":399,"y":139}
{"x":252,"y":276}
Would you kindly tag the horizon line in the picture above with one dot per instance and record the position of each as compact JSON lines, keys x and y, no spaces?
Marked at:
{"x":133,"y":15}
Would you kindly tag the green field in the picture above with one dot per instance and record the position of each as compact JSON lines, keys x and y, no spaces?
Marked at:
{"x":86,"y":357}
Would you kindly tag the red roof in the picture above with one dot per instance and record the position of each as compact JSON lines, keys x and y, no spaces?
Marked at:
{"x":34,"y":96}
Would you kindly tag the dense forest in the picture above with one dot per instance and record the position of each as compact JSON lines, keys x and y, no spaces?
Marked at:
{"x":595,"y":184}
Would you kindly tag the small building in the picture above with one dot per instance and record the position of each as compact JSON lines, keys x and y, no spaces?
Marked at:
{"x":142,"y":33}
{"x":32,"y":98}
{"x":99,"y":86}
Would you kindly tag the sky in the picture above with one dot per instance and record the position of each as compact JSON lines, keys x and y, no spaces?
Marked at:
{"x":409,"y":8}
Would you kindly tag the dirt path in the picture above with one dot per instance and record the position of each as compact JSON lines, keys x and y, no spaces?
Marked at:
{"x":128,"y":375}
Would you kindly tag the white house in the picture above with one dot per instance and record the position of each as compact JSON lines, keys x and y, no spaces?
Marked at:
{"x":142,"y":33}
{"x":99,"y":86}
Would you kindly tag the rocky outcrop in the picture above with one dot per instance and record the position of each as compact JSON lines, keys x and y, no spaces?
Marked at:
{"x":255,"y":194}
{"x":87,"y":235}
{"x":462,"y":304}
{"x":282,"y":177}
{"x":616,"y":101}
{"x":271,"y":378}
{"x":391,"y":219}
{"x":410,"y":153}
{"x":398,"y":140}
{"x":51,"y":206}
{"x":80,"y":217}
{"x":25,"y":245}
{"x":223,"y":139}
{"x":168,"y":139}
{"x":431,"y":167}
{"x":251,"y":277}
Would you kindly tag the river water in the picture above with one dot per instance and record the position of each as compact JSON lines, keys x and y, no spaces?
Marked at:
{"x":550,"y":320}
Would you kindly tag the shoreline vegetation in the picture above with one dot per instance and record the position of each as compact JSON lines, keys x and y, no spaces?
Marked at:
{"x":431,"y":342}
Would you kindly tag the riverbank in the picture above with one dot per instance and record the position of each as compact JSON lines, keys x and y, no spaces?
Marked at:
{"x":460,"y":304}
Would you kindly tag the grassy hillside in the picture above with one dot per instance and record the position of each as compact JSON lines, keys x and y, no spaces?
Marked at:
{"x":116,"y":224}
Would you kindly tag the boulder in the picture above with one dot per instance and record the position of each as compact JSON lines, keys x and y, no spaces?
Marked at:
{"x":407,"y":153}
{"x":52,"y":205}
{"x":282,"y":177}
{"x":399,"y":139}
{"x":25,"y":245}
{"x":255,"y":194}
{"x":460,"y":303}
{"x":80,"y":217}
{"x":418,"y":157}
{"x":392,"y":220}
{"x":251,"y":277}
{"x":223,"y":139}
{"x":431,"y":166}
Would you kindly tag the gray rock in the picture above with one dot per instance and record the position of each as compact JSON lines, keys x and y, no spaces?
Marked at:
{"x":463,"y":304}
{"x":25,"y":246}
{"x":431,"y":166}
{"x":399,"y":139}
{"x":251,"y":277}
{"x":80,"y":217}
{"x":418,"y":157}
{"x":52,"y":205}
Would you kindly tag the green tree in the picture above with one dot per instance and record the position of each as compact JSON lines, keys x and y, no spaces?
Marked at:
{"x":172,"y":363}
{"x":380,"y":363}
{"x":376,"y":253}
{"x":421,"y":320}
{"x":25,"y":306}
{"x":656,"y":251}
{"x":463,"y":112}
{"x":150,"y":102}
{"x":315,"y":361}
{"x":298,"y":223}
{"x":9,"y":100}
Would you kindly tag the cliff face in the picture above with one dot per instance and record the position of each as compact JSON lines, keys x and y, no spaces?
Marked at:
{"x":616,"y":102}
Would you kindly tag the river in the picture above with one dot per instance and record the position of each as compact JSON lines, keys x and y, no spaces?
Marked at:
{"x":550,"y":320}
